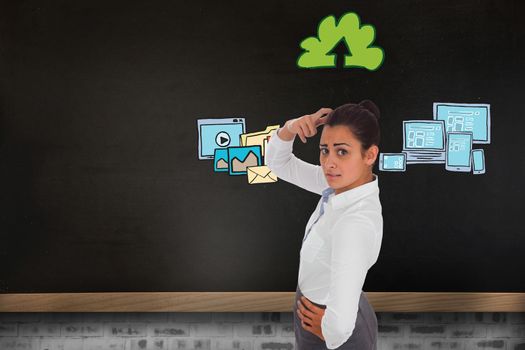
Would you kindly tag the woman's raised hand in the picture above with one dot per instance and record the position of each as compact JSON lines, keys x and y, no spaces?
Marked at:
{"x":306,"y":126}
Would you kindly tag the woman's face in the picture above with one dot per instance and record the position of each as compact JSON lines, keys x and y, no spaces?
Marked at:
{"x":344,"y":165}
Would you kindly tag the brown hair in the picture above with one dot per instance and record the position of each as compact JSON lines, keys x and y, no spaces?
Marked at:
{"x":361,"y":118}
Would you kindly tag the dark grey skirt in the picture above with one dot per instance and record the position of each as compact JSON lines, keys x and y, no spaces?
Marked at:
{"x":364,"y":336}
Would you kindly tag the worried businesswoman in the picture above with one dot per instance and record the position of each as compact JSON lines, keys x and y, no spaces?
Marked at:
{"x":343,"y":236}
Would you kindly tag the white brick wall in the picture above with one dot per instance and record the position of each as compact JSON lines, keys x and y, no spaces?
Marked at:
{"x":247,"y":331}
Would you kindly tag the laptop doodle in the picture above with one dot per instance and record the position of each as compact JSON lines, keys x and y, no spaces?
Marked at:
{"x":424,"y":141}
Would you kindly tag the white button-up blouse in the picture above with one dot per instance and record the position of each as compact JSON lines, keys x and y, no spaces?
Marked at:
{"x":339,"y":246}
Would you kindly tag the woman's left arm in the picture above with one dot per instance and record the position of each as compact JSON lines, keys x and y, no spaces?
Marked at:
{"x":353,"y":252}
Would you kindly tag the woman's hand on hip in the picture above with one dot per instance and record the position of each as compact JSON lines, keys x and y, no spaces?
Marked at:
{"x":310,"y":316}
{"x":306,"y":126}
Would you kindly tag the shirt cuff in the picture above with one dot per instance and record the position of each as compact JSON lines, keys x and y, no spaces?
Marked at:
{"x":332,"y":341}
{"x":279,"y":142}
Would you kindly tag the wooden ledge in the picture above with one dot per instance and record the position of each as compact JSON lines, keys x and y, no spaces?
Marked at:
{"x":251,"y":302}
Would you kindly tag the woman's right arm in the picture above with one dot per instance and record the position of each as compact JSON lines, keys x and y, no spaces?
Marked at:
{"x":280,"y":159}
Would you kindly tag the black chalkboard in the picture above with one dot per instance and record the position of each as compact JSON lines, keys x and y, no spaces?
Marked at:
{"x":102,"y":189}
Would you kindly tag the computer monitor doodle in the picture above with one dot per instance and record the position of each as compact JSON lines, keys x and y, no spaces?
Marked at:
{"x":465,"y":117}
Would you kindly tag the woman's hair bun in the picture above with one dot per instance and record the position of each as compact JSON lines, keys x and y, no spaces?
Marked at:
{"x":371,"y":107}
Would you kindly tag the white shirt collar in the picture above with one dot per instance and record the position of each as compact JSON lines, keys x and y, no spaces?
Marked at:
{"x":351,"y":196}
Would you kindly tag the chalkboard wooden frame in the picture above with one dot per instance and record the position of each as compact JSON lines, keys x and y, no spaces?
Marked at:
{"x":251,"y":302}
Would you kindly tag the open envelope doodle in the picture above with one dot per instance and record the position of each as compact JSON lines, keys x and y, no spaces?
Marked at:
{"x":260,"y":175}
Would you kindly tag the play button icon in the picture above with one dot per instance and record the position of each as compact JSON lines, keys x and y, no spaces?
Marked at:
{"x":222,"y":139}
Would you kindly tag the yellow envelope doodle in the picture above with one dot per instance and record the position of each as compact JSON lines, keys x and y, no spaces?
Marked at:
{"x":257,"y":138}
{"x":260,"y":175}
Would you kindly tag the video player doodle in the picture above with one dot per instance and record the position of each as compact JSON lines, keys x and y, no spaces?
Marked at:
{"x":218,"y":133}
{"x":223,"y":139}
